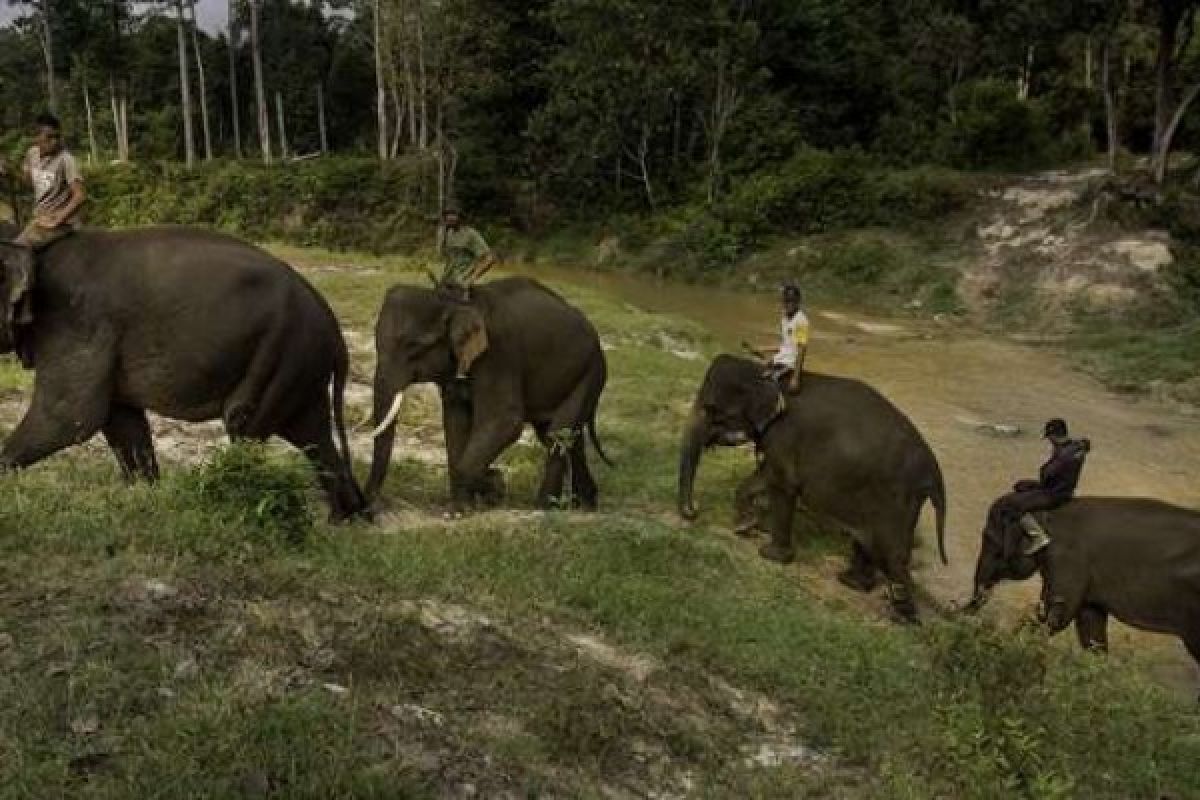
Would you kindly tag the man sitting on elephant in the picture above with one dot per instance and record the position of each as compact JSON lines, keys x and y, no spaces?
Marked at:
{"x":465,"y":254}
{"x":786,"y":363}
{"x":57,"y":186}
{"x":1054,"y":488}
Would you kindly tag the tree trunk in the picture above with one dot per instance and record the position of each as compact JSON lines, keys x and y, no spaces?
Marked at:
{"x":116,"y":115}
{"x":1164,"y":68}
{"x":321,"y":129}
{"x":1110,"y":106}
{"x":1160,"y":166}
{"x":208,"y":151}
{"x":423,"y":81}
{"x":1087,"y":63}
{"x":260,"y":92}
{"x":185,"y":92}
{"x":235,"y":115}
{"x":93,"y":149}
{"x":283,"y":142}
{"x":410,"y":90}
{"x":1025,"y":79}
{"x":48,"y":52}
{"x":380,"y":89}
{"x":125,"y":151}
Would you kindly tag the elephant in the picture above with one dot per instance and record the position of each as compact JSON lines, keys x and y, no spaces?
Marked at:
{"x":838,"y":448}
{"x":186,"y":323}
{"x":1132,"y":558}
{"x":527,"y":356}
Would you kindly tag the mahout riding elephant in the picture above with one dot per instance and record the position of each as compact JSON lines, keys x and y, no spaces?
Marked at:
{"x":838,"y":448}
{"x":1132,"y":558}
{"x":186,"y":323}
{"x":529,"y":357}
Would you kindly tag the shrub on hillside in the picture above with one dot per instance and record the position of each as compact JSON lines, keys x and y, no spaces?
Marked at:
{"x":816,"y":192}
{"x":337,"y":202}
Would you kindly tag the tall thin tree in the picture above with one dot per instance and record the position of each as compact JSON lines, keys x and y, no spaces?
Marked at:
{"x":185,"y":89}
{"x":380,"y":87}
{"x":208,"y":150}
{"x":235,"y":108}
{"x":260,"y":94}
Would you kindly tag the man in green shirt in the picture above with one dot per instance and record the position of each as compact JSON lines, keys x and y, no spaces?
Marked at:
{"x":465,"y":255}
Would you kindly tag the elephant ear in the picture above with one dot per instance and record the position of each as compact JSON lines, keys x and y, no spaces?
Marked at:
{"x":18,"y":285}
{"x":764,"y":402}
{"x":468,"y":337}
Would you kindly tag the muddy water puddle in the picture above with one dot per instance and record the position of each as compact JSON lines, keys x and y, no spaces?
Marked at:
{"x":980,"y":402}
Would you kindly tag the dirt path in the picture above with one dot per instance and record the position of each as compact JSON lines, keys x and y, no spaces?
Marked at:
{"x":956,"y":385}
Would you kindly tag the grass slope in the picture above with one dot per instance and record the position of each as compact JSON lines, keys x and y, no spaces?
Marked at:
{"x":207,"y":638}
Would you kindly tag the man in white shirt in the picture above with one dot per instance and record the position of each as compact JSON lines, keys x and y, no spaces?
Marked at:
{"x":785,"y":364}
{"x":52,"y":172}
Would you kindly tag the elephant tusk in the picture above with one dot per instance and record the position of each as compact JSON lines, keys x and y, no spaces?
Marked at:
{"x":390,"y":419}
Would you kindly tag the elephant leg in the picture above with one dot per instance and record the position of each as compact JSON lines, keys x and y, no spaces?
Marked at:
{"x":69,"y":406}
{"x":549,"y":493}
{"x":900,"y":583}
{"x":310,"y":431}
{"x":748,"y":504}
{"x":583,"y":485}
{"x":128,"y":434}
{"x":781,"y":504}
{"x":861,"y":575}
{"x":1091,"y":626}
{"x":456,"y":424}
{"x":489,"y":438}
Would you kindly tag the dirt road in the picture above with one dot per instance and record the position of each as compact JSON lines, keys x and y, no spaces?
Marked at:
{"x":954,"y":385}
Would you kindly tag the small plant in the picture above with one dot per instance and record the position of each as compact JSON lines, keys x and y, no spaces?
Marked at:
{"x":263,"y":491}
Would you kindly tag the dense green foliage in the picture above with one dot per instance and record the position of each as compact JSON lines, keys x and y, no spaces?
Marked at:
{"x":339,"y":203}
{"x":563,"y":108}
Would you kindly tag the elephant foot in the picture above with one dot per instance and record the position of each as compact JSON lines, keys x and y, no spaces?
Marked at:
{"x":748,"y":528}
{"x":857,"y":580}
{"x":780,"y":555}
{"x":904,"y":609}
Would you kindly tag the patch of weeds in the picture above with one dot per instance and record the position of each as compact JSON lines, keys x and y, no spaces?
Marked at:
{"x":261,"y":491}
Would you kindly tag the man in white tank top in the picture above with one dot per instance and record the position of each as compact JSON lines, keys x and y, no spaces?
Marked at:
{"x":785,"y":363}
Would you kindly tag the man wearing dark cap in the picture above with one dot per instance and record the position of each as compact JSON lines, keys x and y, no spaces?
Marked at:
{"x":465,"y":255}
{"x":785,"y":363}
{"x":1055,"y":486}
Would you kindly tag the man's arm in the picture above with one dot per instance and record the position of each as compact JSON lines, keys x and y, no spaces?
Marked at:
{"x":484,"y":257}
{"x":78,"y":197}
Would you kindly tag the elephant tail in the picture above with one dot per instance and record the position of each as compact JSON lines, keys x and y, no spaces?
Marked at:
{"x":937,"y":496}
{"x":341,"y":371}
{"x":591,"y":427}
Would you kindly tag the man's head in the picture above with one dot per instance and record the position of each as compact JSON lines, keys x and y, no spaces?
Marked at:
{"x":791,"y":298}
{"x":48,"y":134}
{"x":1055,"y":431}
{"x":450,"y":217}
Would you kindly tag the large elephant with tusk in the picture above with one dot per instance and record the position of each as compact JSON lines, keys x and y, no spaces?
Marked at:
{"x":529,"y":357}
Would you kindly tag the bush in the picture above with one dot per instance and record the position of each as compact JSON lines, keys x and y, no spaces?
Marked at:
{"x":993,"y":128}
{"x":817,"y":192}
{"x":336,"y":203}
{"x":256,"y":490}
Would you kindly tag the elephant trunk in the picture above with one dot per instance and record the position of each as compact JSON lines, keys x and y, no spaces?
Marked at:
{"x":984,"y":581}
{"x":388,"y":400}
{"x":695,"y":438}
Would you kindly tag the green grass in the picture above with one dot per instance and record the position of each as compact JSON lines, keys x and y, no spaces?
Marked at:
{"x":176,"y":641}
